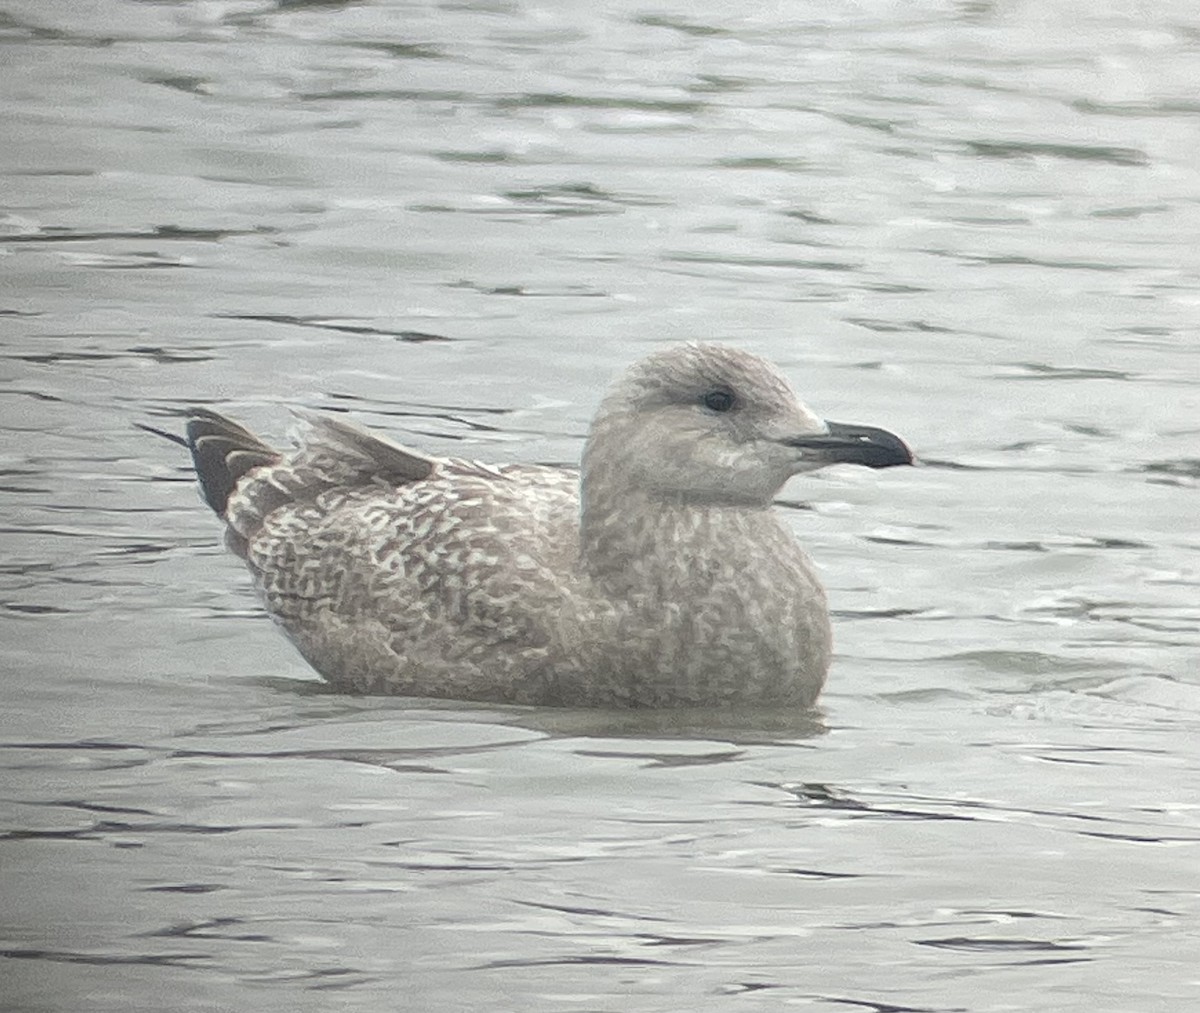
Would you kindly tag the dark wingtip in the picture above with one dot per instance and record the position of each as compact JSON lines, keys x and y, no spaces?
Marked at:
{"x":173,"y":437}
{"x":222,"y":452}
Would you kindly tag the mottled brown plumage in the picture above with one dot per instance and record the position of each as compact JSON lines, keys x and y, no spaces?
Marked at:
{"x":658,"y":576}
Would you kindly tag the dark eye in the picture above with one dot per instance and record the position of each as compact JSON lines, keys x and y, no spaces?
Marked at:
{"x":719,"y":399}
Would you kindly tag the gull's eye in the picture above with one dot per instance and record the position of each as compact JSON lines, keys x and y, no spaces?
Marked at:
{"x":719,"y":399}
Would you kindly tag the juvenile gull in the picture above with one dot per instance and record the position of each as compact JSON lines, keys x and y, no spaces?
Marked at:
{"x":657,"y":576}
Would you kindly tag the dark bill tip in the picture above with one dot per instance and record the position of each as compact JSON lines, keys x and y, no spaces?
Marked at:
{"x":851,"y":444}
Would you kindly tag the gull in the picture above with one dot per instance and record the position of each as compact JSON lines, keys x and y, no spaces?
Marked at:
{"x":657,"y":575}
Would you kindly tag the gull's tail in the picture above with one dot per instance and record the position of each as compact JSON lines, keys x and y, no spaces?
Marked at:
{"x":222,"y":452}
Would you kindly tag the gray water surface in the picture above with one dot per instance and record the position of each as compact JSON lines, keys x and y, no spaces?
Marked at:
{"x":973,"y":223}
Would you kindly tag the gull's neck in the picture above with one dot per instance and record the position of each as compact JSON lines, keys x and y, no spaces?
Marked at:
{"x":658,"y":545}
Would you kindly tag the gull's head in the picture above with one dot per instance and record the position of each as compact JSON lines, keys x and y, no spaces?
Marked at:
{"x":710,"y":423}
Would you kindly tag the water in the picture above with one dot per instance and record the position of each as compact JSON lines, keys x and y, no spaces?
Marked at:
{"x":972,"y":223}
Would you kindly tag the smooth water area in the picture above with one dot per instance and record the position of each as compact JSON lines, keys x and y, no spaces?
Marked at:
{"x":974,"y":223}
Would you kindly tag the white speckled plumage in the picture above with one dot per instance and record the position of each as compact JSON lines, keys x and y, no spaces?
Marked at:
{"x":658,"y":576}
